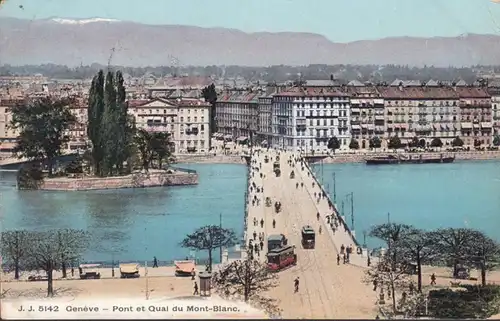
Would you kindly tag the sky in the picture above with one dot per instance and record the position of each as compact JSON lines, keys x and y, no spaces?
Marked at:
{"x":338,"y":20}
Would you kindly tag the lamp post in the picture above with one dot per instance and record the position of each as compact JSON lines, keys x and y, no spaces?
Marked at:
{"x":334,"y":189}
{"x":351,"y":197}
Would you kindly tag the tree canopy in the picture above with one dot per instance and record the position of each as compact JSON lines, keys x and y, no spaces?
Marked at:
{"x":209,"y":238}
{"x":42,"y":124}
{"x":496,"y":140}
{"x":394,"y":142}
{"x":354,"y":144}
{"x":457,"y":142}
{"x":375,"y":142}
{"x":436,"y":142}
{"x":333,"y":143}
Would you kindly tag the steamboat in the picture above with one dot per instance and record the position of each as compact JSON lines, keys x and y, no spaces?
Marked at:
{"x":402,"y":159}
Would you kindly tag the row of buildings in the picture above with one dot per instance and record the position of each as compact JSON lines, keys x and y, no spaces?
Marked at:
{"x":305,"y":117}
{"x":298,"y":117}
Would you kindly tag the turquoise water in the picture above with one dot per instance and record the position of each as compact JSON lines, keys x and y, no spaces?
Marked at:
{"x":461,"y":194}
{"x":137,"y":224}
{"x":134,"y":224}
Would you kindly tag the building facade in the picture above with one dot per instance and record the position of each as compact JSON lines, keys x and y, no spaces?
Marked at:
{"x":264,"y":128}
{"x":237,"y":115}
{"x":476,"y":115}
{"x":305,"y":118}
{"x":187,"y":121}
{"x":494,"y":91}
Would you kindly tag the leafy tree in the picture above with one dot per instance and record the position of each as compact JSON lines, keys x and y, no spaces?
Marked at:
{"x":110,"y":124}
{"x":246,"y":278}
{"x":14,"y":246}
{"x":394,"y":142}
{"x":333,"y":144}
{"x":455,"y":245}
{"x":477,"y":143}
{"x":436,"y":142}
{"x":496,"y":140}
{"x":143,"y":140}
{"x":72,"y":244}
{"x":124,"y":131}
{"x":161,"y":146}
{"x":457,"y":142}
{"x":354,"y":144}
{"x":46,"y":252}
{"x":414,"y":142}
{"x":393,"y":234}
{"x":422,"y":143}
{"x":418,"y":246}
{"x":209,"y":238}
{"x":42,"y":124}
{"x":30,"y":177}
{"x":210,"y":95}
{"x":94,"y":125}
{"x":375,"y":142}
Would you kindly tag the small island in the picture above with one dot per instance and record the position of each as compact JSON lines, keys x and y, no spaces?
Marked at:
{"x":119,"y":154}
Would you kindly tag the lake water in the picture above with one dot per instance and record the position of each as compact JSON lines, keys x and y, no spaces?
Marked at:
{"x":134,"y":224}
{"x":461,"y":194}
{"x":137,"y":224}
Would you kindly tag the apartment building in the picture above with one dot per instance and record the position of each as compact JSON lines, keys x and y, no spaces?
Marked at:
{"x":8,"y":136}
{"x":264,"y":128}
{"x":237,"y":114}
{"x":367,"y":113}
{"x":494,"y":91}
{"x":476,"y":115}
{"x":305,"y":118}
{"x":186,"y":120}
{"x":78,"y":131}
{"x":425,"y":112}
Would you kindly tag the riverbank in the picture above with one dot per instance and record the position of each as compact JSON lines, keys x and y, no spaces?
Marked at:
{"x":211,"y":159}
{"x":153,"y":178}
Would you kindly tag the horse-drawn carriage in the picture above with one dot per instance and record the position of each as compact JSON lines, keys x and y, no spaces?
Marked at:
{"x":266,"y":159}
{"x":276,"y":168}
{"x":268,"y":202}
{"x":292,"y":174}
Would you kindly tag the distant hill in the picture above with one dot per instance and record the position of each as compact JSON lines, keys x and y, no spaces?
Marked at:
{"x":71,"y":42}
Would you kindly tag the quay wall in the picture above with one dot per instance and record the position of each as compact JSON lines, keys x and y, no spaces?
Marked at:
{"x":334,"y":206}
{"x":136,"y":180}
{"x":359,"y":157}
{"x":211,"y":159}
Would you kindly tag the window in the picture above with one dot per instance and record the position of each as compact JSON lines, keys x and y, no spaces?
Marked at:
{"x":202,"y":127}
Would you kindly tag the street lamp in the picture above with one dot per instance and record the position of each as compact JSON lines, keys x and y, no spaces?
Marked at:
{"x":351,"y":196}
{"x":334,"y":189}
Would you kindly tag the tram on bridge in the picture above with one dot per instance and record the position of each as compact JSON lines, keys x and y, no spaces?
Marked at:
{"x":308,"y":237}
{"x":281,"y":258}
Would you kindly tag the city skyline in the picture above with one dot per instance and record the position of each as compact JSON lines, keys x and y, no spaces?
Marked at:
{"x":367,"y":19}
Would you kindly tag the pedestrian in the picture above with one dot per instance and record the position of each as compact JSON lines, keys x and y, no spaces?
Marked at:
{"x":195,"y":292}
{"x":411,"y":288}
{"x":433,"y":279}
{"x":155,"y":262}
{"x":296,"y":284}
{"x":72,"y":271}
{"x":342,"y":249}
{"x":261,"y":245}
{"x":375,"y":283}
{"x":338,"y":259}
{"x":344,"y":258}
{"x":261,"y":222}
{"x":274,"y":223}
{"x":254,"y":235}
{"x":320,"y":229}
{"x":193,"y":274}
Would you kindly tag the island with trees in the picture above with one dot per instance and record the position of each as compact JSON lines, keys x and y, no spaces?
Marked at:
{"x":120,"y":155}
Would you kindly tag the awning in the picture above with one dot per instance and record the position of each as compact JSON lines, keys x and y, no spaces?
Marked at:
{"x":378,"y":101}
{"x":184,"y":266}
{"x":228,"y":137}
{"x":129,"y":267}
{"x":355,"y":110}
{"x":486,"y":125}
{"x":354,"y":101}
{"x":443,"y":126}
{"x":466,"y":125}
{"x":355,"y":127}
{"x":242,"y":138}
{"x":475,"y":125}
{"x":364,"y":126}
{"x":90,"y":266}
{"x":371,"y":127}
{"x":264,"y":142}
{"x":436,"y":126}
{"x":379,"y":117}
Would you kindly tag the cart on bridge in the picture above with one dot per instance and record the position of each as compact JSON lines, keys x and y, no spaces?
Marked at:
{"x":308,"y":237}
{"x":281,"y":258}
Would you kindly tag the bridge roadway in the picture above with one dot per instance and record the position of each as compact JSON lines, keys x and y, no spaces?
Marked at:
{"x":327,"y":290}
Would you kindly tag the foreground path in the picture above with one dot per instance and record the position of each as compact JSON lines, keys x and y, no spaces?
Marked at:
{"x":327,"y":290}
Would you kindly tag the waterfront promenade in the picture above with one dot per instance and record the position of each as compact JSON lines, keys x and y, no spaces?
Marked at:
{"x":327,"y":290}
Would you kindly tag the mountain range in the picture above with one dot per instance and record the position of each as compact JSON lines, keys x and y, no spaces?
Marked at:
{"x":75,"y":42}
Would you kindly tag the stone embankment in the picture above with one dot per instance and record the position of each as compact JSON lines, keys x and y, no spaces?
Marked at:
{"x":361,"y":157}
{"x":211,"y":159}
{"x":135,"y":180}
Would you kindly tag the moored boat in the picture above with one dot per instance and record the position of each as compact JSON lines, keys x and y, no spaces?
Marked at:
{"x":392,"y":159}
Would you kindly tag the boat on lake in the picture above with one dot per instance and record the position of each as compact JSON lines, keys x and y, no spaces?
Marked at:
{"x":403,"y":159}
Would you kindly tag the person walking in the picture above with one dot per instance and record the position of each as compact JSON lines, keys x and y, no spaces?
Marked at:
{"x":195,"y":288}
{"x":433,"y":279}
{"x":155,"y":262}
{"x":338,"y":259}
{"x":296,"y":284}
{"x":274,"y":223}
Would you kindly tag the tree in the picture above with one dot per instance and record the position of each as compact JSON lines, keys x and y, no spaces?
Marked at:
{"x":161,"y":147}
{"x":143,"y":141}
{"x":95,"y":113}
{"x":414,"y":142}
{"x":124,"y":131}
{"x":487,"y":256}
{"x":354,"y":144}
{"x":375,"y":142}
{"x":436,"y":142}
{"x":209,"y":238}
{"x":390,"y":274}
{"x":393,"y":234}
{"x":46,"y":252}
{"x":110,"y":124}
{"x":394,"y":142}
{"x":477,"y":143}
{"x":210,"y":95}
{"x":14,"y":249}
{"x":245,"y":278}
{"x":457,"y":142}
{"x":333,"y":144}
{"x":73,"y":243}
{"x":496,"y":140}
{"x":454,"y":245}
{"x":42,"y":123}
{"x":418,"y":245}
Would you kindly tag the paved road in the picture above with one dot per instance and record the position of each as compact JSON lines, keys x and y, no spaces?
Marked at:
{"x":327,"y":290}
